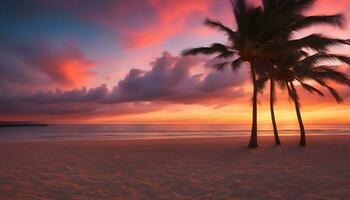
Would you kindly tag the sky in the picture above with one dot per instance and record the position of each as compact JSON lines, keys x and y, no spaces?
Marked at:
{"x":118,"y":61}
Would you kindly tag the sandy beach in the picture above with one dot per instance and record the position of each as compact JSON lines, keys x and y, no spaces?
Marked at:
{"x":207,"y":168}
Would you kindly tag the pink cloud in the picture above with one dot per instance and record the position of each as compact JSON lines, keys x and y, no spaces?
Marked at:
{"x":172,"y":17}
{"x":68,"y":66}
{"x":39,"y":63}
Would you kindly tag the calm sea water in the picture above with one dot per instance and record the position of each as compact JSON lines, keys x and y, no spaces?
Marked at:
{"x":141,"y":131}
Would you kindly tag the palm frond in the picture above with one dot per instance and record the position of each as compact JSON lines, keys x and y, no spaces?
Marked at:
{"x":322,"y":57}
{"x":333,"y":20}
{"x":215,"y":48}
{"x":310,"y":88}
{"x":282,"y":84}
{"x":327,"y":72}
{"x":227,"y":54}
{"x":335,"y":94}
{"x":315,"y":42}
{"x":299,"y":6}
{"x":221,"y":27}
{"x":221,"y":66}
{"x":293,"y":58}
{"x":236,"y":64}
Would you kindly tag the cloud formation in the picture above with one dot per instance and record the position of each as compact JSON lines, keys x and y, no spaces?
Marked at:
{"x":171,"y":79}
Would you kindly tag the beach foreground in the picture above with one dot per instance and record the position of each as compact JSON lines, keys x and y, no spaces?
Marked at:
{"x":207,"y":168}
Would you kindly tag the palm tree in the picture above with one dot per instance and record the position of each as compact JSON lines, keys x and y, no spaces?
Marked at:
{"x":288,"y":18}
{"x":300,"y":67}
{"x":263,"y":36}
{"x":240,"y":48}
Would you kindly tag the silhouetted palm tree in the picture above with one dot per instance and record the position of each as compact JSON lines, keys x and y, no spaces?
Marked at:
{"x":263,"y":36}
{"x":240,"y":48}
{"x":288,"y":17}
{"x":300,"y":67}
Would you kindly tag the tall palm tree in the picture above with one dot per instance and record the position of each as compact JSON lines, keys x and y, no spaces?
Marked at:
{"x":300,"y":67}
{"x":240,"y":48}
{"x":265,"y":35}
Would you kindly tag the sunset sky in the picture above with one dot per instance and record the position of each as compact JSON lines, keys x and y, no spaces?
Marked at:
{"x":117,"y":61}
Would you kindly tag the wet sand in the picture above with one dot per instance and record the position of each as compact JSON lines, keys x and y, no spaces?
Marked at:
{"x":207,"y":168}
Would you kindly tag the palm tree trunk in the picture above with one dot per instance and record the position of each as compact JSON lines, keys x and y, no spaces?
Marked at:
{"x":300,"y":120}
{"x":254,"y":134}
{"x":272,"y":99}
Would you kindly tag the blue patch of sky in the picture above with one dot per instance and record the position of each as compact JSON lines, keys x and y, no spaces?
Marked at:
{"x":55,"y":29}
{"x":95,"y":40}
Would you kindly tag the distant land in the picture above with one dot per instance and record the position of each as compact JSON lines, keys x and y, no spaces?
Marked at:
{"x":20,"y":123}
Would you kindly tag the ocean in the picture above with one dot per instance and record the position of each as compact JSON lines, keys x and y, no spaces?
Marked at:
{"x":147,"y":131}
{"x":150,"y":131}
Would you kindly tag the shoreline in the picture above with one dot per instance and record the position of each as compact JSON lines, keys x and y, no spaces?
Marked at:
{"x":165,"y":138}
